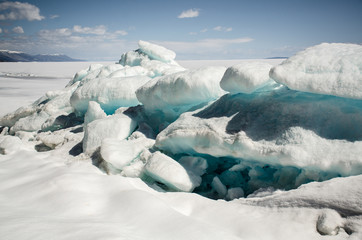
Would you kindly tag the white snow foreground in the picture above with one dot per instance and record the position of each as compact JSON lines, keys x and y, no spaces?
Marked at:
{"x":328,"y":68}
{"x":147,"y":118}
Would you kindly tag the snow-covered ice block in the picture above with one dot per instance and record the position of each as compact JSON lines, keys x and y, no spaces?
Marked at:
{"x":328,"y":68}
{"x":94,"y":112}
{"x":219,"y":187}
{"x":30,"y":123}
{"x":197,"y":165}
{"x":109,"y":69}
{"x":234,"y":193}
{"x":118,"y":126}
{"x":179,"y":91}
{"x":120,"y":153}
{"x":156,"y":52}
{"x":9,"y":144}
{"x":166,"y":170}
{"x":246,"y":77}
{"x":86,"y":74}
{"x":110,"y":93}
{"x":286,"y":128}
{"x":133,"y":58}
{"x":131,"y":72}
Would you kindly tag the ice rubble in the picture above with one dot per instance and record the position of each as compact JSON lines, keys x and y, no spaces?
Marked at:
{"x":328,"y":68}
{"x":178,"y":130}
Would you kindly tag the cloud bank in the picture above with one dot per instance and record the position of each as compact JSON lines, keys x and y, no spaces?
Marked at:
{"x":19,"y":11}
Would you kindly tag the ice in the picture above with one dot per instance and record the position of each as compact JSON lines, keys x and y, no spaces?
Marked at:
{"x":110,"y":93}
{"x":157,"y":52}
{"x":9,"y":144}
{"x":175,"y":93}
{"x":118,"y":126}
{"x":267,"y":145}
{"x":94,"y":112}
{"x":246,"y":77}
{"x":328,"y":68}
{"x":169,"y":172}
{"x":234,"y":193}
{"x":121,"y":153}
{"x":219,"y":187}
{"x":284,"y":128}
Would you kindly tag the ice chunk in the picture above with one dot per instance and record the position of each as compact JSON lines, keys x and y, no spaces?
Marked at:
{"x":86,"y":74}
{"x":9,"y":144}
{"x":164,"y":169}
{"x":177,"y":92}
{"x":118,"y":126}
{"x":130,"y":72}
{"x":156,"y":52}
{"x":328,"y":68}
{"x":30,"y":123}
{"x":107,"y":70}
{"x":284,"y":128}
{"x":94,"y":112}
{"x":110,"y":93}
{"x":329,"y":223}
{"x":133,"y":58}
{"x":234,"y":193}
{"x":197,"y":165}
{"x":220,"y":188}
{"x":120,"y":153}
{"x":246,"y":77}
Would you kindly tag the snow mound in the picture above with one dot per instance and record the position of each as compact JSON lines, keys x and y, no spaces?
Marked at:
{"x":328,"y":68}
{"x":246,"y":77}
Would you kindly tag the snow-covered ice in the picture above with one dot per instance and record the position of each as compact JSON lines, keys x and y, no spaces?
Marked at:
{"x":246,"y":77}
{"x":328,"y":68}
{"x":140,"y":149}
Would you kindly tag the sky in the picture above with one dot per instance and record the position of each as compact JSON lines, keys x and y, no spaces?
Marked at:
{"x":199,"y":29}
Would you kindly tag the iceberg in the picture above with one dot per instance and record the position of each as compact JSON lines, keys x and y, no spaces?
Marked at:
{"x":328,"y":68}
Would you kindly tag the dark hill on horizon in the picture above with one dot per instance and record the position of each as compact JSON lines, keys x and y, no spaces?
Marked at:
{"x":14,"y":56}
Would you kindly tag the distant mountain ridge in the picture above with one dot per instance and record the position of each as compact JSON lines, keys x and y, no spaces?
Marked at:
{"x":14,"y":56}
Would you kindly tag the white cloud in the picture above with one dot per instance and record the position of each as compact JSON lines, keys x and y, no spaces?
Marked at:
{"x":222,"y":29}
{"x":98,"y":30}
{"x":18,"y":11}
{"x":191,"y":13}
{"x":1,"y":30}
{"x":204,"y":30}
{"x":54,"y":16}
{"x":18,"y":29}
{"x":121,"y":32}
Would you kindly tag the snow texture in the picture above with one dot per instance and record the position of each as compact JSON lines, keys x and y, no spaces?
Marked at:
{"x":328,"y":68}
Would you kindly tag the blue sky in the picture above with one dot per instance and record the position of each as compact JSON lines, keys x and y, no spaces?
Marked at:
{"x":206,"y":29}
